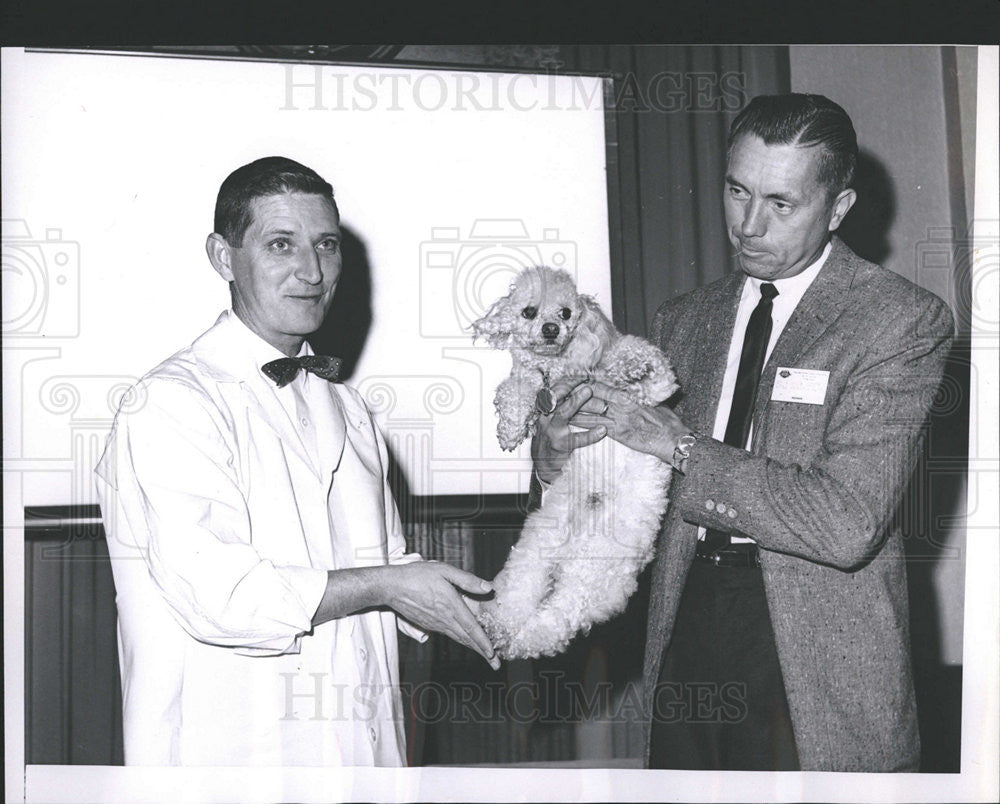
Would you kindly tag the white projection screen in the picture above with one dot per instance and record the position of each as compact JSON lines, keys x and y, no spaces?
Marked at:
{"x":448,"y":182}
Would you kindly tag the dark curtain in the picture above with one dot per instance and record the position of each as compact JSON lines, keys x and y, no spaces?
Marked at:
{"x":672,"y":110}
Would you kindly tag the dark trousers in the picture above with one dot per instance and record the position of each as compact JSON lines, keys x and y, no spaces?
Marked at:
{"x":720,"y":701}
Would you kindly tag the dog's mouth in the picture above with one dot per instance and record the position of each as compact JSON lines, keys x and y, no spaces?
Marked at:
{"x":547,"y":347}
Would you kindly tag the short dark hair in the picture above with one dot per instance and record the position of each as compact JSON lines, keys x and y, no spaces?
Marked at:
{"x":803,"y":120}
{"x":271,"y":175}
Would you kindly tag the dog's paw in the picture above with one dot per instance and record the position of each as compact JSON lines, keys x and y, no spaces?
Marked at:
{"x":511,"y":438}
{"x":655,"y":388}
{"x":513,"y":427}
{"x":547,"y":633}
{"x":496,"y":621}
{"x":641,"y":369}
{"x":631,"y":360}
{"x":657,"y":380}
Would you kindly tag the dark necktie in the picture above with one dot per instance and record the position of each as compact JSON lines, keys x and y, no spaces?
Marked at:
{"x":745,"y":392}
{"x":283,"y":370}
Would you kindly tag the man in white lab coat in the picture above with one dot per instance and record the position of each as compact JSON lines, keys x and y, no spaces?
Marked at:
{"x":258,"y":557}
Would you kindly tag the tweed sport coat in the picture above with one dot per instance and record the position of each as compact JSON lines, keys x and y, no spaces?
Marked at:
{"x":816,"y":491}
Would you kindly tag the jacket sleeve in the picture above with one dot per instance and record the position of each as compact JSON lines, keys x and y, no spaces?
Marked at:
{"x":176,"y":485}
{"x":834,"y":510}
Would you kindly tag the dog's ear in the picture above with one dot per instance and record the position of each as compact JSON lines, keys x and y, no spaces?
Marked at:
{"x":593,"y":335}
{"x":496,"y":327}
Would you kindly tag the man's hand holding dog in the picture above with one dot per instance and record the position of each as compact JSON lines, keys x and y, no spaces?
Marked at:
{"x":653,"y":430}
{"x":601,"y":410}
{"x":555,"y":441}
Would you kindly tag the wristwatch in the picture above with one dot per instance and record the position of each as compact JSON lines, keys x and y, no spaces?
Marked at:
{"x":682,"y":449}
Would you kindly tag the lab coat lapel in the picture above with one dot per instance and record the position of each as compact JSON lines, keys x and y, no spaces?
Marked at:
{"x":329,"y":420}
{"x":261,"y":398}
{"x":223,"y":357}
{"x":337,"y":468}
{"x":331,"y":429}
{"x":357,"y":505}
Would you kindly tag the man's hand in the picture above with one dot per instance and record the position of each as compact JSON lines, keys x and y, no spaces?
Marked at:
{"x":427,"y":594}
{"x":654,"y":431}
{"x":555,"y":441}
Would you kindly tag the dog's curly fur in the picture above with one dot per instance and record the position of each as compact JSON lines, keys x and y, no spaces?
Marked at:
{"x":577,"y":560}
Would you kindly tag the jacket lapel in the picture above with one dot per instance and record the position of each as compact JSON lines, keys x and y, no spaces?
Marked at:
{"x":712,"y":333}
{"x":819,"y":307}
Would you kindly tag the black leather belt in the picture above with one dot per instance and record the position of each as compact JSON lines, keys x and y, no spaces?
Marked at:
{"x":742,"y":554}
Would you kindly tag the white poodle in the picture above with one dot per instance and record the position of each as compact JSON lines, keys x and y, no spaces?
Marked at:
{"x":579,"y":555}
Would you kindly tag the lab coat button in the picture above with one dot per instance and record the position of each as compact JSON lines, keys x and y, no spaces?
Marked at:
{"x":372,"y":734}
{"x":364,"y":655}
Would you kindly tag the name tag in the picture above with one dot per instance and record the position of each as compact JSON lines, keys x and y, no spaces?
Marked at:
{"x":807,"y":386}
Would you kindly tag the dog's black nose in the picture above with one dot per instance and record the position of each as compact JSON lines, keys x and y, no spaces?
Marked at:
{"x":550,"y":331}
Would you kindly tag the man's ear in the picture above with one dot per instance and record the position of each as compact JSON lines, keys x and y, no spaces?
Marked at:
{"x":841,"y":206}
{"x":220,"y":255}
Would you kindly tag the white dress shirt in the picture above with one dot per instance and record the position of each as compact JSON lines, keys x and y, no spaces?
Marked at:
{"x":790,"y":292}
{"x":226,"y":501}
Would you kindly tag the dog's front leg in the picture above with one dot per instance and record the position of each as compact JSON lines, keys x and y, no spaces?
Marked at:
{"x":519,"y":588}
{"x":515,"y":404}
{"x":640,"y":368}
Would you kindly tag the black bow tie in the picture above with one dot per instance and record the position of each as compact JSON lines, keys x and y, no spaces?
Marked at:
{"x":284,"y":369}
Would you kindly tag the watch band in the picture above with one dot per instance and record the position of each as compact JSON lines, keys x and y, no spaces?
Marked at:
{"x":682,"y":449}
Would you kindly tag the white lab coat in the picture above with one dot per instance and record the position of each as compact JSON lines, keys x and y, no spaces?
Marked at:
{"x":221,"y":527}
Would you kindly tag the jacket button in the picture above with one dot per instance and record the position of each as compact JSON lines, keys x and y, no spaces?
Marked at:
{"x":709,"y":505}
{"x":721,"y":508}
{"x":732,"y":513}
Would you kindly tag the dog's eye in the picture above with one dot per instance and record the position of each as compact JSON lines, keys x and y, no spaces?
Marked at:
{"x":529,"y":312}
{"x":565,"y":313}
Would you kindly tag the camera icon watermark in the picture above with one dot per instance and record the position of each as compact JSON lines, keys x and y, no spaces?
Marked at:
{"x":970,"y":268}
{"x":460,"y":277}
{"x":41,"y":283}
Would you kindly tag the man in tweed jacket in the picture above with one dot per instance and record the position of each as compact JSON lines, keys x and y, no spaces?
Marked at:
{"x":798,"y":628}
